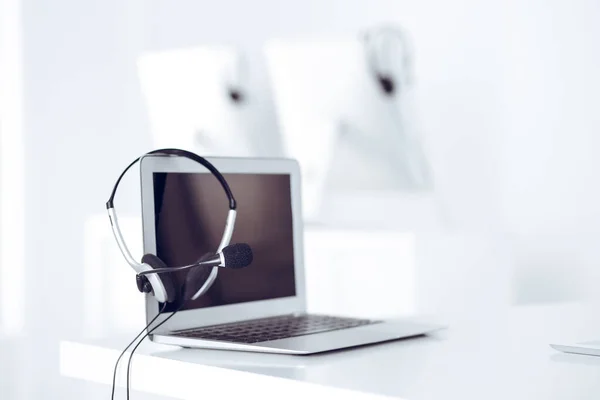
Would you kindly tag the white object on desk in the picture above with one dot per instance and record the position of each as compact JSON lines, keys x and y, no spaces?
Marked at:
{"x":509,"y":359}
{"x":330,"y":81}
{"x":186,"y":92}
{"x":350,"y":139}
{"x":584,"y":348}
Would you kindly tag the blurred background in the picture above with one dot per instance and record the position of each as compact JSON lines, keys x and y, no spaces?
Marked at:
{"x":476,"y":180}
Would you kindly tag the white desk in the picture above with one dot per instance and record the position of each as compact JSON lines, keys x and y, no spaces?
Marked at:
{"x":491,"y":357}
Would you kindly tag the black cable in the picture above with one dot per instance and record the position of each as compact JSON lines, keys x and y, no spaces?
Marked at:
{"x":112,"y":396}
{"x":145,"y":336}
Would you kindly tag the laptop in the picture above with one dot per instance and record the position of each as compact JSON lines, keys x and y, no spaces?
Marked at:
{"x":260,"y":308}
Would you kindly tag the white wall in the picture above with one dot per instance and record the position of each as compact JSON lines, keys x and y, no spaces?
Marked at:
{"x":552,"y":90}
{"x":550,"y":170}
{"x":83,"y":121}
{"x":11,"y":170}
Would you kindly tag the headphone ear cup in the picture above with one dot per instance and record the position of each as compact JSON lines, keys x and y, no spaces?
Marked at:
{"x":387,"y":83}
{"x":236,"y":95}
{"x":166,"y":279}
{"x":196,"y":278}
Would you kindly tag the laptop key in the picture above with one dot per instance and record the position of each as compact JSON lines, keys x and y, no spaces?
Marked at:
{"x":273,"y":328}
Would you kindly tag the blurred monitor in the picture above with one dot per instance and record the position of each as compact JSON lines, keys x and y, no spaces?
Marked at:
{"x":347,"y":135}
{"x":188,"y":94}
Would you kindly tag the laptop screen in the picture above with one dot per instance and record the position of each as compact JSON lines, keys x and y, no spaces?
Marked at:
{"x":190,"y":213}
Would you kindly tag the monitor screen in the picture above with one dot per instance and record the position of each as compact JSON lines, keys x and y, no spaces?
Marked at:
{"x":190,"y":213}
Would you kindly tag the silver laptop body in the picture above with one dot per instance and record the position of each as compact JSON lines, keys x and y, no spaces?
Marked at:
{"x":262,"y":307}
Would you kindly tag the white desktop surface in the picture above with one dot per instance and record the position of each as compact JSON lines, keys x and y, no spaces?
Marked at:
{"x":501,"y":356}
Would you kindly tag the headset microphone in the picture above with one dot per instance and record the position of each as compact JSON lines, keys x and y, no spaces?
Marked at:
{"x":237,"y":255}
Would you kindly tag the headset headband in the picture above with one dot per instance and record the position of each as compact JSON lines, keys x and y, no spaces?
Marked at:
{"x":180,"y":153}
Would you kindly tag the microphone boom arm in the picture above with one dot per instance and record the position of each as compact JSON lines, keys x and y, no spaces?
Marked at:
{"x":209,"y":263}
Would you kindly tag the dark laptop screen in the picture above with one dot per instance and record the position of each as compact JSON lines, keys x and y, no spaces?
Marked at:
{"x":190,"y":214}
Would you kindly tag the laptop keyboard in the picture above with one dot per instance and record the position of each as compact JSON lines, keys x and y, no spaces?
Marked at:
{"x":273,"y":328}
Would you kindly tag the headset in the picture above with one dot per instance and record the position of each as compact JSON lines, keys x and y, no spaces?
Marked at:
{"x":377,"y":43}
{"x":380,"y":45}
{"x":149,"y":278}
{"x":152,"y":274}
{"x":236,"y":80}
